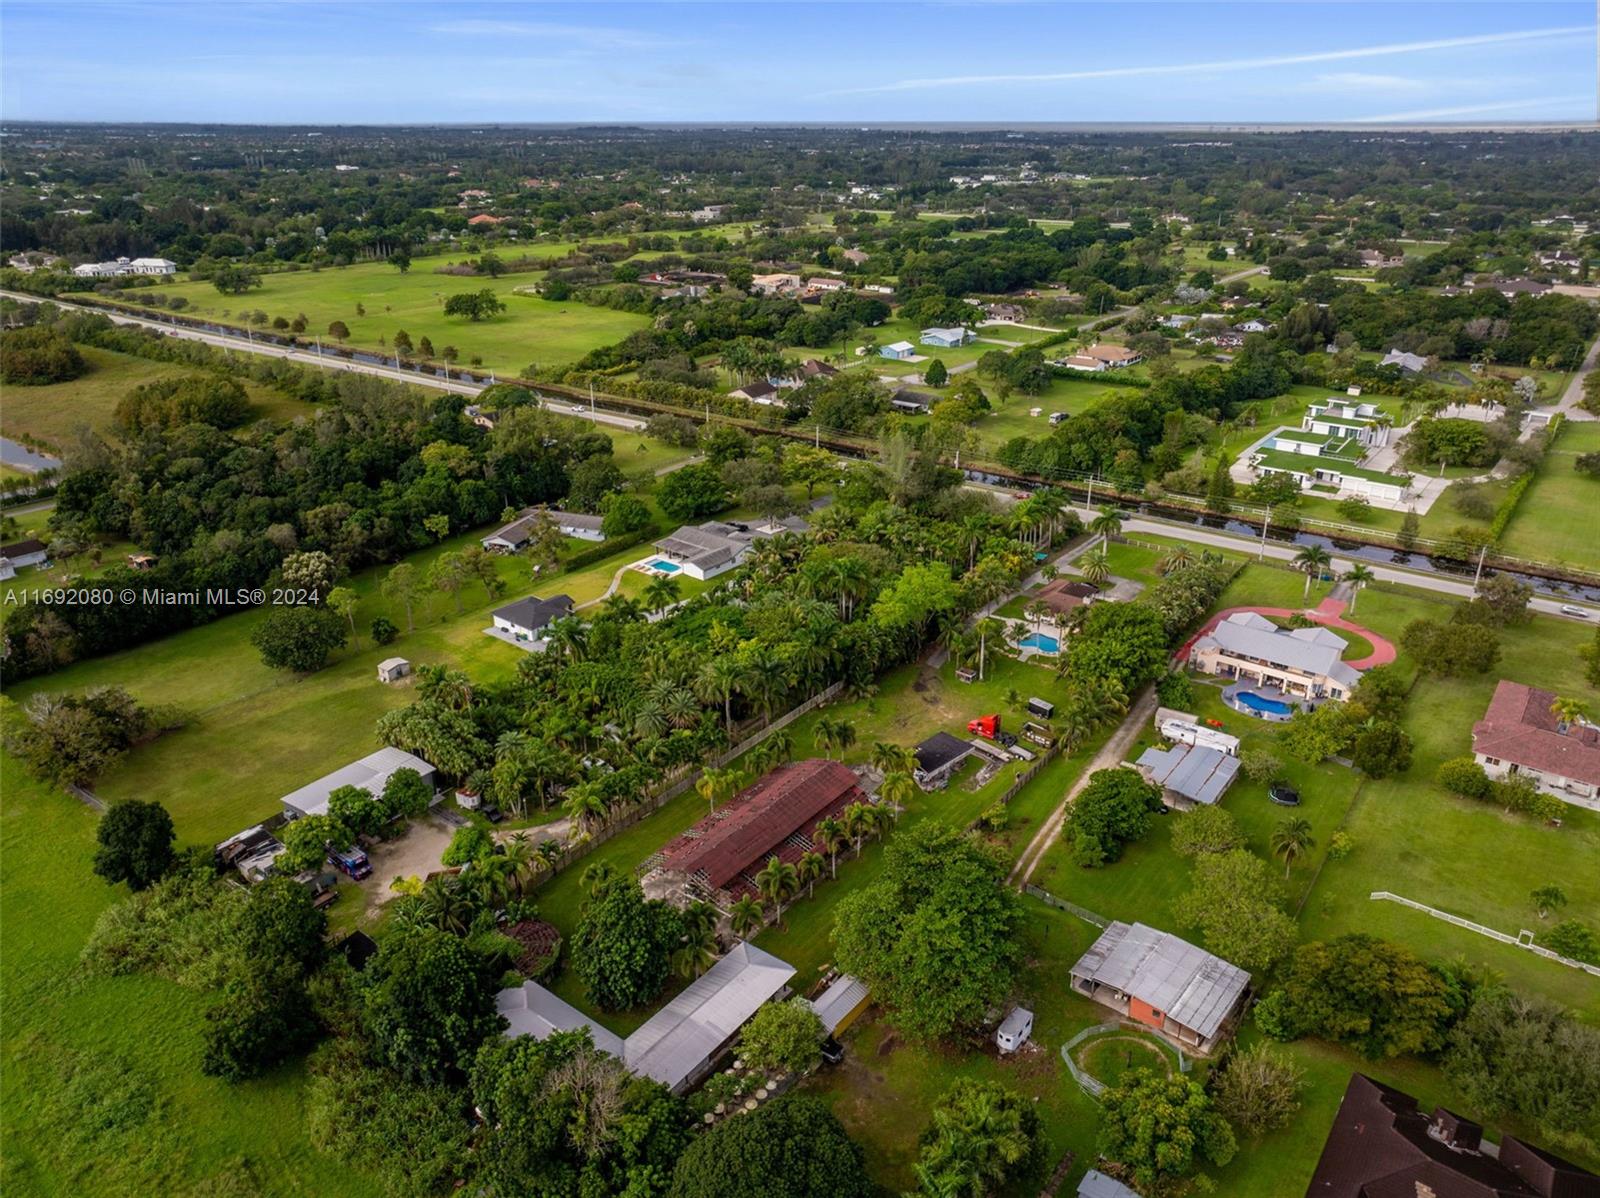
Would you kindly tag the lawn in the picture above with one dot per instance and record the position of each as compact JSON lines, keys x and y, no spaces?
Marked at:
{"x":53,"y":413}
{"x":1555,"y":520}
{"x":102,"y":1076}
{"x":258,"y":733}
{"x":531,"y":331}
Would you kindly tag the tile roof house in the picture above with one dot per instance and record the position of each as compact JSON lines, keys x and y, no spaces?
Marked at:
{"x":1382,"y":1146}
{"x":1061,"y":595}
{"x":1113,"y":355}
{"x":1519,"y":734}
{"x":774,"y":817}
{"x":1165,"y":983}
{"x":1300,"y":661}
{"x":679,"y":1044}
{"x":1189,"y":775}
{"x":371,"y":774}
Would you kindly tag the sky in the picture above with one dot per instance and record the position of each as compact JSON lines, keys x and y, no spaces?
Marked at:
{"x":305,"y":62}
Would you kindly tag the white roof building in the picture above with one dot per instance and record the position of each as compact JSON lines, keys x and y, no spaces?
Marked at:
{"x":679,"y":1043}
{"x":371,"y":774}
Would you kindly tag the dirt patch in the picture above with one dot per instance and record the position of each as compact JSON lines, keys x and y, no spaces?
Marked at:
{"x":888,"y":1044}
{"x":416,"y":854}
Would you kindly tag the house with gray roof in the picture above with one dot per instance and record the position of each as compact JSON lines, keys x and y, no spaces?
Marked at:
{"x":1189,"y":775}
{"x":717,"y":546}
{"x":524,"y":620}
{"x":1298,"y":661}
{"x":679,"y":1044}
{"x":371,"y":774}
{"x":1165,"y":983}
{"x":1407,"y":362}
{"x":519,"y":532}
{"x":1096,"y":1184}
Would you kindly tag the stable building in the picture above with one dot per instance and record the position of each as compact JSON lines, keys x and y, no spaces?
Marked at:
{"x":682,"y":1042}
{"x":777,"y":816}
{"x":371,"y":774}
{"x":947,"y":338}
{"x":1167,"y":984}
{"x":937,"y":758}
{"x":515,"y":536}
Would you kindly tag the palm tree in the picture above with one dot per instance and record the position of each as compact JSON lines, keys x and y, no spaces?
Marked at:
{"x":777,"y":881}
{"x":549,"y":853}
{"x":445,"y":905}
{"x":1567,"y":712}
{"x":625,"y":609}
{"x":1357,"y":576}
{"x":568,"y":638}
{"x":890,"y":759}
{"x":1312,"y":560}
{"x":1292,"y":838}
{"x":831,"y":734}
{"x":857,"y":823}
{"x":1106,"y":525}
{"x":698,"y":949}
{"x":897,"y":789}
{"x":519,"y":859}
{"x":714,"y":786}
{"x":829,"y":836}
{"x":1095,"y":566}
{"x":596,"y":876}
{"x":1180,"y":557}
{"x":661,"y":593}
{"x":809,"y":868}
{"x":585,"y":806}
{"x":746,"y":915}
{"x":717,"y":682}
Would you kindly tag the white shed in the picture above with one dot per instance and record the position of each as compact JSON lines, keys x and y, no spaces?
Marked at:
{"x":392,"y":669}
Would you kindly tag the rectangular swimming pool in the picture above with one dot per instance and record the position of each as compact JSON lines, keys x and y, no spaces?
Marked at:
{"x":662,"y":566}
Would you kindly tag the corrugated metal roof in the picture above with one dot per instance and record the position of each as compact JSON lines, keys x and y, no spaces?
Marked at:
{"x":1096,"y":1184}
{"x":1193,"y":987}
{"x":1197,"y":772}
{"x":531,"y":1010}
{"x":370,"y":773}
{"x":683,"y":1035}
{"x":841,"y":997}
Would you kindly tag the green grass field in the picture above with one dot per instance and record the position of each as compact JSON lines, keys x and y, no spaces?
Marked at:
{"x":259,"y":733}
{"x":1555,"y":519}
{"x":531,"y":331}
{"x":102,"y":1078}
{"x":54,"y":413}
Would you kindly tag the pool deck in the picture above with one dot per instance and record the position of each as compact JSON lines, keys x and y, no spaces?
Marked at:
{"x":1330,"y":612}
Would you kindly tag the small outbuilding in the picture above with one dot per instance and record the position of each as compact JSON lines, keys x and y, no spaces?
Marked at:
{"x":1042,"y":708}
{"x":937,"y":758}
{"x":1096,"y":1184}
{"x":392,"y":669}
{"x":1014,"y":1030}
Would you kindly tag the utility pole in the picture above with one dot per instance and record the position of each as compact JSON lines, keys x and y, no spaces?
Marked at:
{"x":1478,"y":573}
{"x":1266,"y":522}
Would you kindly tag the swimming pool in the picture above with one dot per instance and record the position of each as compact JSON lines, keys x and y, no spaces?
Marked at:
{"x":662,"y":566}
{"x":1041,"y":642}
{"x":1257,"y":702}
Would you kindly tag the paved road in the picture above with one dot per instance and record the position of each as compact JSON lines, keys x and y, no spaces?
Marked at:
{"x":1574,"y":392}
{"x":1242,"y":274}
{"x":307,"y":357}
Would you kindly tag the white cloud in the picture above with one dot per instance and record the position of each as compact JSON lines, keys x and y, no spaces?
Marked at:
{"x":1235,"y":64}
{"x":1574,"y":104}
{"x":596,"y":37}
{"x":1357,"y":81}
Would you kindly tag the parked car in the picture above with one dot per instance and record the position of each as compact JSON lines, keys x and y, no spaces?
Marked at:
{"x":1283,"y":794}
{"x":832,"y":1051}
{"x":351,"y":862}
{"x":491,"y":813}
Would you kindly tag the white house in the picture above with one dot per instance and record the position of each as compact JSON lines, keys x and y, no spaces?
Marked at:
{"x":774,"y":284}
{"x":1520,"y":734}
{"x":948,"y":338}
{"x":901,"y":350}
{"x":125,"y":266}
{"x":706,"y":550}
{"x":519,"y":532}
{"x":152,"y":266}
{"x":20,"y":554}
{"x":1407,"y":362}
{"x":525,"y":619}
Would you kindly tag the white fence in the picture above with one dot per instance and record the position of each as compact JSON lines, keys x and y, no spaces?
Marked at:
{"x":1523,"y":941}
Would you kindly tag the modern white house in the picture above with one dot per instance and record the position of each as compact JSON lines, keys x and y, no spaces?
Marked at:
{"x":1408,"y":363}
{"x":1307,"y":662}
{"x":776,"y":284}
{"x":706,"y":550}
{"x":125,"y":266}
{"x":1327,"y":452}
{"x":901,"y":350}
{"x":1521,"y":735}
{"x":948,"y":338}
{"x":371,"y":774}
{"x":679,"y":1044}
